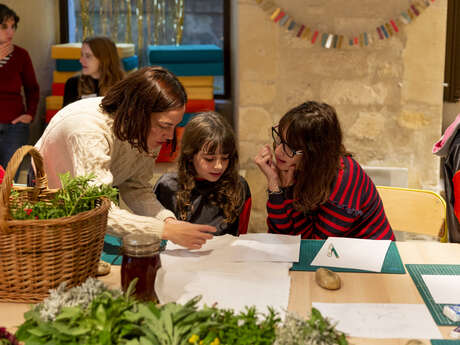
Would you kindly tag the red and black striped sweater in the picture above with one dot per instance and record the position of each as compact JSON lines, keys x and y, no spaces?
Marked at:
{"x":354,"y":209}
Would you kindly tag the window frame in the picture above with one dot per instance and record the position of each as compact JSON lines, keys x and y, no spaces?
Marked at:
{"x":452,"y":62}
{"x":64,"y":38}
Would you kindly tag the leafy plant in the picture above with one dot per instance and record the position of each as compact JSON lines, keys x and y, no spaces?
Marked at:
{"x":76,"y":195}
{"x":81,"y":296}
{"x":92,"y":314}
{"x":317,"y":330}
{"x":107,"y":320}
{"x":172,"y":323}
{"x":246,"y":327}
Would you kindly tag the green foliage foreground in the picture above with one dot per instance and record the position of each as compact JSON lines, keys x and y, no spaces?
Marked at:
{"x":93,"y":314}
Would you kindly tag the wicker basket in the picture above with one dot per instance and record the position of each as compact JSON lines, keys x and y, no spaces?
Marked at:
{"x":38,"y":255}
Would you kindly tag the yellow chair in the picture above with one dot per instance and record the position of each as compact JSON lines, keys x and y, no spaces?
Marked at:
{"x":415,"y":210}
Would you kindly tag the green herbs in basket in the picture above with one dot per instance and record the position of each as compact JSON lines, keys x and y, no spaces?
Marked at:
{"x":77,"y":195}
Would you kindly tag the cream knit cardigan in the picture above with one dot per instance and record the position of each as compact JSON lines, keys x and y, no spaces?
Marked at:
{"x":79,"y":139}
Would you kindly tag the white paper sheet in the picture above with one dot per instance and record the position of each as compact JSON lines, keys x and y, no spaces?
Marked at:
{"x":262,"y":248}
{"x":353,"y":253}
{"x":230,"y":285}
{"x":246,"y":248}
{"x":369,"y":320}
{"x":445,"y":289}
{"x":216,"y":272}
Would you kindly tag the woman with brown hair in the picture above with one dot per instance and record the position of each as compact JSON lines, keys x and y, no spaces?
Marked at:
{"x":315,"y":188}
{"x":101,"y":69}
{"x":118,"y":138}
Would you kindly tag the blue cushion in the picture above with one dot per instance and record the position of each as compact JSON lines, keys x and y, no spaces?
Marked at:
{"x":187,"y":117}
{"x":185,"y":53}
{"x":65,"y":65}
{"x":130,"y":63}
{"x":194,"y":69}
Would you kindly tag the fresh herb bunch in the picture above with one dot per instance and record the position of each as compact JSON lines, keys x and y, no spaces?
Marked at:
{"x":81,"y":296}
{"x":172,"y":323}
{"x":317,"y":330}
{"x":108,"y":319}
{"x":246,"y":327}
{"x":6,"y":338}
{"x":92,"y":314}
{"x":76,"y":195}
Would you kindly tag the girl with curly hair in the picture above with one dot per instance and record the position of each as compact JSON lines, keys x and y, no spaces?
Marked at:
{"x":207,"y":188}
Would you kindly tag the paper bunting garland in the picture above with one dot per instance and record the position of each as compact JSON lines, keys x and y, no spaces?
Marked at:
{"x":334,"y":40}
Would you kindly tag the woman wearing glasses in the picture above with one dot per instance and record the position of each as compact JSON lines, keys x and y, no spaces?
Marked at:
{"x":315,"y":188}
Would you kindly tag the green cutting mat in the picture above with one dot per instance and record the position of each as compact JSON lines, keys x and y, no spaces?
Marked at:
{"x":445,"y":342}
{"x":111,"y":252}
{"x":309,"y":249}
{"x":416,"y":272}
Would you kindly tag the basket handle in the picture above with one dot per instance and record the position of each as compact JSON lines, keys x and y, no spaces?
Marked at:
{"x":41,"y":181}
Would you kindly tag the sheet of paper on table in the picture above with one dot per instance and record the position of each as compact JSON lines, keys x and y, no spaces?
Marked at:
{"x":231,"y":285}
{"x":375,"y":320}
{"x":245,"y":248}
{"x":234,"y":272}
{"x":262,"y":247}
{"x":445,"y":289}
{"x":353,"y":253}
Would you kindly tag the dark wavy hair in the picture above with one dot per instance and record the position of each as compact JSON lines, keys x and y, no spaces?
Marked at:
{"x":132,"y":101}
{"x":211,"y":133}
{"x":7,"y":13}
{"x":314,"y":128}
{"x":105,"y":51}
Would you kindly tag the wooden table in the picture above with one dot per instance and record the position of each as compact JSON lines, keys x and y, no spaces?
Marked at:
{"x":356,"y":287}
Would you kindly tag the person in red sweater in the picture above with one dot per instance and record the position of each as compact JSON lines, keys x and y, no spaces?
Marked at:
{"x":16,"y":74}
{"x":316,"y":189}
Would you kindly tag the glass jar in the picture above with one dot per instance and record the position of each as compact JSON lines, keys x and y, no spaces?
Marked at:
{"x":141,"y":260}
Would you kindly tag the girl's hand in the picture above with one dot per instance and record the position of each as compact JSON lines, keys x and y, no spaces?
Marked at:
{"x":24,"y":118}
{"x":264,"y":161}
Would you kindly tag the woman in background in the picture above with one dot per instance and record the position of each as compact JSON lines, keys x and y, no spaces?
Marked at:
{"x":16,"y":73}
{"x":315,"y":188}
{"x":207,"y":189}
{"x":101,"y":69}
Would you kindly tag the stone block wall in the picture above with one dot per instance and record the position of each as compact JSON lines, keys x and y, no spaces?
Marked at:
{"x":388,"y":95}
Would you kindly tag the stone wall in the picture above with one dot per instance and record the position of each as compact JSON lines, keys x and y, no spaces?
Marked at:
{"x":388,"y":95}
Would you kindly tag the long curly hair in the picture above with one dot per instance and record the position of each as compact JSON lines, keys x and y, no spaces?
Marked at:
{"x":211,"y":133}
{"x":314,"y":128}
{"x":105,"y":50}
{"x":132,"y":101}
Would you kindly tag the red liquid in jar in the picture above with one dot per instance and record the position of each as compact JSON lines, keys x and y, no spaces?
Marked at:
{"x":143,"y":268}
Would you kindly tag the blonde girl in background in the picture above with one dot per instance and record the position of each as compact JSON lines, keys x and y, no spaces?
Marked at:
{"x":101,"y":68}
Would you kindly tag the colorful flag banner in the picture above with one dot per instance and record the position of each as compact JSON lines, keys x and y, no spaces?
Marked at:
{"x":328,"y":40}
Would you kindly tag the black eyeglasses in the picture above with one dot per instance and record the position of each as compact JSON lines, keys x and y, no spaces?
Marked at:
{"x":278,"y":140}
